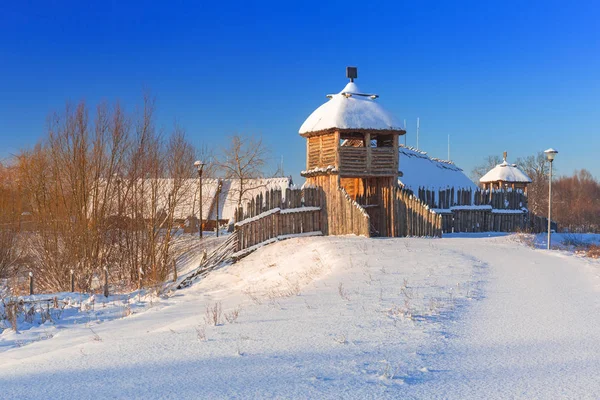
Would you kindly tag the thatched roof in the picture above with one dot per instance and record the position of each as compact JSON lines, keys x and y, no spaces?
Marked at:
{"x":156,"y":196}
{"x":421,"y":171}
{"x":505,"y":172}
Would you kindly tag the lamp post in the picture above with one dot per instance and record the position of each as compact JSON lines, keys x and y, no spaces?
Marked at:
{"x":550,"y":154}
{"x":219,"y":186}
{"x":200,"y":166}
{"x":119,"y":223}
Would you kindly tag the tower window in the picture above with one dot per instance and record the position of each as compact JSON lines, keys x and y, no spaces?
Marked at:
{"x":382,"y":140}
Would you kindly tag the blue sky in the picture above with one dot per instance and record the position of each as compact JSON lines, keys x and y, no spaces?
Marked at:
{"x":495,"y":76}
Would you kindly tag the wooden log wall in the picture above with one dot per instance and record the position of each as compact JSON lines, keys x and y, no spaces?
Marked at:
{"x":505,"y":199}
{"x":375,"y":198}
{"x":470,"y":220}
{"x":413,"y":217}
{"x":491,"y":215}
{"x":328,"y":150}
{"x":340,"y":214}
{"x":275,"y":213}
{"x":277,"y":223}
{"x":321,"y":151}
{"x":272,"y":214}
{"x":275,"y":198}
{"x":447,"y":222}
{"x":354,"y":187}
{"x":539,"y":224}
{"x":327,"y":208}
{"x":353,"y":160}
{"x":501,"y":199}
{"x":486,"y":220}
{"x":313,"y":152}
{"x":383,"y":161}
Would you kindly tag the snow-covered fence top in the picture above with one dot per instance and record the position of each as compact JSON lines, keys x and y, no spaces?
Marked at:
{"x":273,"y":215}
{"x":450,"y":198}
{"x":276,"y":198}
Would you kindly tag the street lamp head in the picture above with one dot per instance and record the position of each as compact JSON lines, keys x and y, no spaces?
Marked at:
{"x":199,"y":165}
{"x":550,"y":154}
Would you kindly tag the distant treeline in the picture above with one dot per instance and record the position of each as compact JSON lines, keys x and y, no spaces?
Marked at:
{"x":576,"y":204}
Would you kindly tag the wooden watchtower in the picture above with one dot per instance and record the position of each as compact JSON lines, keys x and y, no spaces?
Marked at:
{"x":352,"y":147}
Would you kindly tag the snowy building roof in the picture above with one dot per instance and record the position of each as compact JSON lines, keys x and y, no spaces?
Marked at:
{"x":419,"y":170}
{"x":350,"y":109}
{"x":228,"y":199}
{"x":230,"y":194}
{"x":187,"y":202}
{"x":505,"y":172}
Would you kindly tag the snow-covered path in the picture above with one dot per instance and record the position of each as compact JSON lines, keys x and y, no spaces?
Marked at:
{"x":535,"y":335}
{"x":342,"y":317}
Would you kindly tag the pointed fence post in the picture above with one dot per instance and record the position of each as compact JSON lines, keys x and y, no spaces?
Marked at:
{"x":174,"y":271}
{"x":30,"y":283}
{"x":105,"y":281}
{"x":140,"y":275}
{"x":72,"y":281}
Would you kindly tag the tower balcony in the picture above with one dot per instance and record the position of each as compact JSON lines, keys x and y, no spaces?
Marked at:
{"x":353,"y":154}
{"x":367,"y":161}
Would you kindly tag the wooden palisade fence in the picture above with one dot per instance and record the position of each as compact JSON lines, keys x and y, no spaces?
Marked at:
{"x":465,"y":210}
{"x":504,"y":199}
{"x":345,"y":216}
{"x":271,"y":216}
{"x":413,"y":217}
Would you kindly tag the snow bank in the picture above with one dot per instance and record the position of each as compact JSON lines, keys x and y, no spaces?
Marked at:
{"x":342,"y":317}
{"x":323,"y":317}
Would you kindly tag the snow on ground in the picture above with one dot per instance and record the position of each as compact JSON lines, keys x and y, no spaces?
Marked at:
{"x":533,"y":336}
{"x":85,"y":310}
{"x":343,"y":317}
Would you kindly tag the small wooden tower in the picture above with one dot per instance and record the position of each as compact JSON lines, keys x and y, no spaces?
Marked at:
{"x":352,"y":144}
{"x":504,"y":176}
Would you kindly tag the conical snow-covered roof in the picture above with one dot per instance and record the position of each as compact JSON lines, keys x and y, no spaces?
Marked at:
{"x":350,"y":109}
{"x":505,"y":172}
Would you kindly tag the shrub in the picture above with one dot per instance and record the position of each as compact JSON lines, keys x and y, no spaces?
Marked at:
{"x":213,"y":314}
{"x":201,"y":333}
{"x":593,"y":251}
{"x":233,"y":315}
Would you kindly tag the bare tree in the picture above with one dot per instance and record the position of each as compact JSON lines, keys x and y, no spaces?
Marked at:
{"x":10,"y":213}
{"x":103,"y":192}
{"x":483,"y":168}
{"x":243,"y":160}
{"x":537,"y":169}
{"x":577,"y":202}
{"x":178,"y":158}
